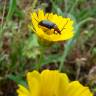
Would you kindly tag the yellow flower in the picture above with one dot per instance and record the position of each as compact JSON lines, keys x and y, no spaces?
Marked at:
{"x":62,"y":30}
{"x":52,"y":83}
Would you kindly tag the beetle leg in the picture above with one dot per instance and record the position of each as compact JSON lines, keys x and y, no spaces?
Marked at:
{"x":64,"y":26}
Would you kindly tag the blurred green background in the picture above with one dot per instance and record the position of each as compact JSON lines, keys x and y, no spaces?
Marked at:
{"x":20,"y":51}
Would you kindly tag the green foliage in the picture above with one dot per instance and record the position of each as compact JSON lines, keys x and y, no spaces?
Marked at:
{"x":31,"y":47}
{"x":11,"y":10}
{"x":19,"y":48}
{"x":18,"y":79}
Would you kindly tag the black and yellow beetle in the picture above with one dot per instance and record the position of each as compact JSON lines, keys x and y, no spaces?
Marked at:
{"x":50,"y":25}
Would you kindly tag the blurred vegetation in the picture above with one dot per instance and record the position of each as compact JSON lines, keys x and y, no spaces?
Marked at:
{"x":20,"y":51}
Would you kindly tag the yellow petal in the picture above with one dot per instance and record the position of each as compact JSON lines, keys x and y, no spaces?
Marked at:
{"x":33,"y":83}
{"x":41,"y":15}
{"x":50,"y":78}
{"x":22,"y":91}
{"x":64,"y":81}
{"x":76,"y":89}
{"x":33,"y":74}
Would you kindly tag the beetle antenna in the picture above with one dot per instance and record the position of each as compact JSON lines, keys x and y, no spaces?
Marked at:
{"x":35,"y":19}
{"x":64,"y":26}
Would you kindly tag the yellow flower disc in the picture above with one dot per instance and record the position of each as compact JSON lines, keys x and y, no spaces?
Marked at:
{"x":63,"y":29}
{"x":52,"y":83}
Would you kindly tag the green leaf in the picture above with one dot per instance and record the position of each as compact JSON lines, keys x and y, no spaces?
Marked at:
{"x":17,"y":79}
{"x":12,"y":7}
{"x":51,"y":58}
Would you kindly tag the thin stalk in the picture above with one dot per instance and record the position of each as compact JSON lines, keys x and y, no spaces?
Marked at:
{"x":39,"y":65}
{"x":67,"y":49}
{"x":74,"y":5}
{"x":66,"y":5}
{"x":2,"y":21}
{"x":34,"y":4}
{"x":71,"y":42}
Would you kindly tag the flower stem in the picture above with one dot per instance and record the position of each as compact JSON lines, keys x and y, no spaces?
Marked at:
{"x":41,"y":58}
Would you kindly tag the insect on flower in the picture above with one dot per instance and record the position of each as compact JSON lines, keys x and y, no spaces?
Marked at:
{"x":50,"y":25}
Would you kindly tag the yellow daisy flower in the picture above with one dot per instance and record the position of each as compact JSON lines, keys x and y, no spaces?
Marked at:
{"x":52,"y":83}
{"x":51,"y":27}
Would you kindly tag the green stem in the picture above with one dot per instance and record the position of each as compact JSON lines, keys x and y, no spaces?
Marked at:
{"x":74,"y":5}
{"x":65,"y":53}
{"x":39,"y":65}
{"x":71,"y":42}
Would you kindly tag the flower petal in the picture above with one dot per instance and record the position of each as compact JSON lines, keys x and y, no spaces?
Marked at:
{"x":33,"y":83}
{"x":22,"y":91}
{"x":64,"y":81}
{"x":50,"y":80}
{"x":76,"y":89}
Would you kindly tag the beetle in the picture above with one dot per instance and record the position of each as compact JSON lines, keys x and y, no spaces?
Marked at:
{"x":50,"y":25}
